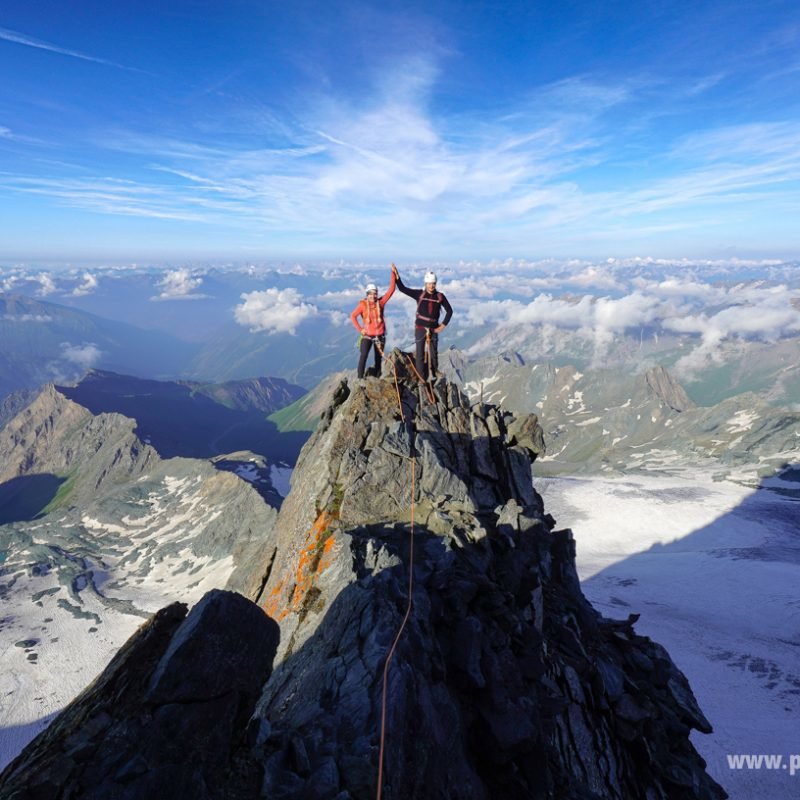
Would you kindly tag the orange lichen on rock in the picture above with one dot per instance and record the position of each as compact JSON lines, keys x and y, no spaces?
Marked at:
{"x":314,"y":558}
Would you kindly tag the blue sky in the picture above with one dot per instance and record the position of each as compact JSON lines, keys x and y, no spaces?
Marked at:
{"x":257,"y":130}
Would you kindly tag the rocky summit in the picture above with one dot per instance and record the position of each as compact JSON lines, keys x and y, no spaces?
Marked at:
{"x":503,"y":682}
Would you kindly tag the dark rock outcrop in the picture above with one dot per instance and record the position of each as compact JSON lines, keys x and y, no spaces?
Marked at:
{"x":505,"y":682}
{"x":166,"y":716}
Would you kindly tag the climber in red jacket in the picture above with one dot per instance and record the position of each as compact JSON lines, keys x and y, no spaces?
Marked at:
{"x":372,"y":327}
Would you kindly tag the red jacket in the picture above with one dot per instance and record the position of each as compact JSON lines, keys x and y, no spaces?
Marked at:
{"x":371,"y":313}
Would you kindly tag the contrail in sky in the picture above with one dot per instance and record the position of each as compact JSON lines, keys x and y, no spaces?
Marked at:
{"x":28,"y":41}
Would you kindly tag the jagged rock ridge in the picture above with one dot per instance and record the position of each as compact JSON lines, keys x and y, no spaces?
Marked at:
{"x":505,"y":684}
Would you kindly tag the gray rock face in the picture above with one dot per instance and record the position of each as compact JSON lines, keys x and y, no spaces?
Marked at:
{"x":356,"y":471}
{"x":166,"y":716}
{"x":13,"y":403}
{"x":668,"y":390}
{"x":54,"y":435}
{"x":505,"y":682}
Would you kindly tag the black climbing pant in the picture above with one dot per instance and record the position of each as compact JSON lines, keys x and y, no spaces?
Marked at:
{"x":432,"y":356}
{"x":366,"y":343}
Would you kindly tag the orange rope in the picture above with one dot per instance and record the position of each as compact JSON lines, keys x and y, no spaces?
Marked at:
{"x":408,"y":605}
{"x":399,"y":634}
{"x":428,"y":389}
{"x":396,"y":382}
{"x":428,"y":351}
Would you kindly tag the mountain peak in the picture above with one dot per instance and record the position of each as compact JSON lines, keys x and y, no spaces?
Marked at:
{"x":55,"y":435}
{"x":413,"y":528}
{"x":468,"y":461}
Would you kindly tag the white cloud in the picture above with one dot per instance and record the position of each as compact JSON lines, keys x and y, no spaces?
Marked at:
{"x":543,"y":309}
{"x":384,"y":169}
{"x":118,"y":196}
{"x":595,"y":277}
{"x":341,"y":296}
{"x":626,"y":312}
{"x":750,"y":311}
{"x":10,"y":282}
{"x":274,"y":310}
{"x":680,"y":288}
{"x":179,"y":284}
{"x":479,"y":287}
{"x":616,"y":316}
{"x":768,"y":319}
{"x":717,"y":313}
{"x":87,"y":287}
{"x":338,"y":318}
{"x":46,"y":284}
{"x":84,"y":355}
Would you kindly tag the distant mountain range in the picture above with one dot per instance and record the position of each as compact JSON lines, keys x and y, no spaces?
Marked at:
{"x":646,"y":402}
{"x":605,"y":420}
{"x":770,"y":370}
{"x":43,"y":342}
{"x":182,"y":418}
{"x":317,"y":349}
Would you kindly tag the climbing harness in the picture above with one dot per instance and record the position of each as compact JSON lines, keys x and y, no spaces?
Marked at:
{"x":436,"y":298}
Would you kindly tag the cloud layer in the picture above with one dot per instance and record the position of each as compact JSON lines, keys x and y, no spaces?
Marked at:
{"x":87,"y":287}
{"x":708,"y":306}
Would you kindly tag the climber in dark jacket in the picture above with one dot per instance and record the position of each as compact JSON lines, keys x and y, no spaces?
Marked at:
{"x":426,"y":325}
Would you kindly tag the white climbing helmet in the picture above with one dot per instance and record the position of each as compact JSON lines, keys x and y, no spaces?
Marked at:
{"x":371,"y":287}
{"x":430,"y":277}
